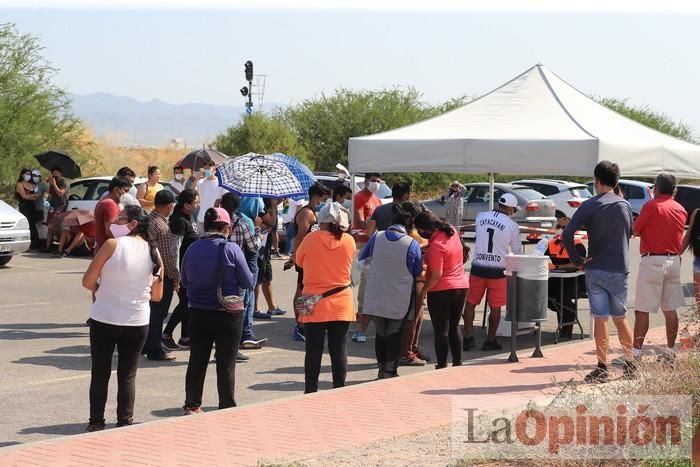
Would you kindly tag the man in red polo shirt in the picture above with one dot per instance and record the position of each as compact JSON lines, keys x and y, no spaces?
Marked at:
{"x":108,"y":209}
{"x":365,"y":203}
{"x":661,"y":225}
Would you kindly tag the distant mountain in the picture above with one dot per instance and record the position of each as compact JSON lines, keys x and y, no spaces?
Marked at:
{"x":131,"y":122}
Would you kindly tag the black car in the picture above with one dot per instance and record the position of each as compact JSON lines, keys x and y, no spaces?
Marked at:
{"x":689,"y":197}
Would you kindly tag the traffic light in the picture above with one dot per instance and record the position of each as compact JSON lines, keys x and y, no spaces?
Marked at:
{"x":249,"y":71}
{"x":244,"y":91}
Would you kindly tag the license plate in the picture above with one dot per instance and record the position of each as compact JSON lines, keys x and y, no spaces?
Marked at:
{"x":4,"y":248}
{"x":546,"y":224}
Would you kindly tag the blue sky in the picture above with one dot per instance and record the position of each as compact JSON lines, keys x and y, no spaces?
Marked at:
{"x":197,"y":56}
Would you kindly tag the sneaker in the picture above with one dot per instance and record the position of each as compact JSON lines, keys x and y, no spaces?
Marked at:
{"x":491,"y":345}
{"x":184,"y":344}
{"x":422,"y":356}
{"x":241,"y":358}
{"x":412,"y":360}
{"x":261,"y":315}
{"x":468,"y":343}
{"x":359,"y":337}
{"x":95,"y":427}
{"x":253,"y":344}
{"x":193,"y":411}
{"x":630,"y":370}
{"x":169,"y":343}
{"x":298,"y":334}
{"x":598,"y":375}
{"x":277,"y":312}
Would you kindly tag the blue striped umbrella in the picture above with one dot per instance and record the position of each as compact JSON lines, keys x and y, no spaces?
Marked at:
{"x":305,"y":176}
{"x":258,"y":175}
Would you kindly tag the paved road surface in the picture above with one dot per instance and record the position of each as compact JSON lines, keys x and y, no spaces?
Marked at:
{"x":45,"y":364}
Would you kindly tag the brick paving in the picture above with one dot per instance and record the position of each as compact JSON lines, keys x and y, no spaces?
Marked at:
{"x":312,"y":425}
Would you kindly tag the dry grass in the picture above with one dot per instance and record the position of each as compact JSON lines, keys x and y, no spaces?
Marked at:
{"x":106,"y":158}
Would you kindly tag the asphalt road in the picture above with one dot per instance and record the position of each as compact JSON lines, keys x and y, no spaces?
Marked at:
{"x":45,"y":363}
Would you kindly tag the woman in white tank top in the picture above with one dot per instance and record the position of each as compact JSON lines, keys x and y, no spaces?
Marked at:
{"x":126,"y":273}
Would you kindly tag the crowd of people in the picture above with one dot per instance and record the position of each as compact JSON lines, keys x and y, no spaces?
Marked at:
{"x":213,"y":250}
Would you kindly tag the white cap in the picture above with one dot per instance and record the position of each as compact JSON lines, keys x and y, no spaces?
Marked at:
{"x":508,"y":200}
{"x":36,"y":172}
{"x":334,"y":213}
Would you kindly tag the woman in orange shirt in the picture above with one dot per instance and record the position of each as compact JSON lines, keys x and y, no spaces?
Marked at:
{"x":326,"y":257}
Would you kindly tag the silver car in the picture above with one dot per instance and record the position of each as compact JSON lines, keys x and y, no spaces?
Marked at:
{"x":14,"y":233}
{"x":534,"y":209}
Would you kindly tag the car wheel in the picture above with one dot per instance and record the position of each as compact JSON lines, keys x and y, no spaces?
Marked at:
{"x":5,"y":259}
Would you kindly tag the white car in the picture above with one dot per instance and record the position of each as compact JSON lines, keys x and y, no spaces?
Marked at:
{"x":567,"y":196}
{"x":14,"y":233}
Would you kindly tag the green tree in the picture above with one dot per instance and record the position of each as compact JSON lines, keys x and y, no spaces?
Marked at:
{"x":652,"y":119}
{"x":34,"y":113}
{"x":261,"y":134}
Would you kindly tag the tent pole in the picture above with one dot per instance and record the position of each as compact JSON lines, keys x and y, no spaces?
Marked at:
{"x":491,"y":190}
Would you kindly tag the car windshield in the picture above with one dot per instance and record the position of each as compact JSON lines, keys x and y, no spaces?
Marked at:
{"x":528,"y":193}
{"x":580,"y":192}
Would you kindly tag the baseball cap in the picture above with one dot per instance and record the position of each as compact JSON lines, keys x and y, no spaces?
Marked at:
{"x":508,"y":200}
{"x":164,"y":197}
{"x":36,"y":172}
{"x":222,"y":216}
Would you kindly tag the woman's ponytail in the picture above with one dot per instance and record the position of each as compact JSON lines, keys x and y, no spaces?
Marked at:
{"x":135,"y":213}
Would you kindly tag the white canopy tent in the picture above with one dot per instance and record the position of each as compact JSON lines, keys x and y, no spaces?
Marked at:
{"x":535,"y":124}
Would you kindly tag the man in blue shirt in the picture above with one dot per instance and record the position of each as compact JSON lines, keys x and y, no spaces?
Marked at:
{"x":608,"y":219}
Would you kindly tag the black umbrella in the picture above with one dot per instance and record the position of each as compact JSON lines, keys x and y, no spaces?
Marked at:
{"x":196,"y":158}
{"x":53,"y":158}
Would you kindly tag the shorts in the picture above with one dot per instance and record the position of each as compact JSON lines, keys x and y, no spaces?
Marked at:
{"x":496,"y":288}
{"x":659,"y":284}
{"x":607,"y":293}
{"x":264,"y":270}
{"x":696,"y":266}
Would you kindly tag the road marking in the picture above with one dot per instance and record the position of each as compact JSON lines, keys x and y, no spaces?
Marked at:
{"x":24,"y":304}
{"x":67,"y":378}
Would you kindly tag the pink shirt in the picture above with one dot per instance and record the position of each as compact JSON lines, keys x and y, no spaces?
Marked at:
{"x":445,"y":254}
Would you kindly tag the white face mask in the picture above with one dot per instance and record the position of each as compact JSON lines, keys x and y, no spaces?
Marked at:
{"x":373,"y":186}
{"x":119,"y":230}
{"x":179,"y":177}
{"x":27,"y":178}
{"x":347,"y":204}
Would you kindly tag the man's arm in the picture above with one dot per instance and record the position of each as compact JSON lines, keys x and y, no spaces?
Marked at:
{"x":578,"y":220}
{"x":688,"y":233}
{"x":304,"y":221}
{"x":368,"y":250}
{"x":516,"y":243}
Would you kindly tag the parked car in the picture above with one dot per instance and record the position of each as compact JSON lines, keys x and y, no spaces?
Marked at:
{"x":535,"y":209}
{"x":568,"y":196}
{"x":634,"y":191}
{"x":14,"y":233}
{"x":689,"y":197}
{"x":85,"y":193}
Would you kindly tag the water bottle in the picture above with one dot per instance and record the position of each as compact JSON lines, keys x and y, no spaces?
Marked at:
{"x":542,"y":245}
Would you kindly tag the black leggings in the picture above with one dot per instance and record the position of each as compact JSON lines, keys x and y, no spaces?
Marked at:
{"x":206,"y":328}
{"x":29,"y":211}
{"x":387,"y":343}
{"x":129,"y":340}
{"x":180,"y":316}
{"x":445,"y":309}
{"x":315,"y":334}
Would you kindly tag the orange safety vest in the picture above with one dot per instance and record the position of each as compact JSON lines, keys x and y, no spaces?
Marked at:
{"x":557,"y":249}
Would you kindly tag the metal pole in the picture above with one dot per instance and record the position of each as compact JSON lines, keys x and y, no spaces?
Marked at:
{"x":513,"y":358}
{"x":538,"y":346}
{"x":491,"y":190}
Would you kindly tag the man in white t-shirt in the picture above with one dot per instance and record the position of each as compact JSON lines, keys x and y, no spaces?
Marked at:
{"x":209,"y":192}
{"x":496,"y":236}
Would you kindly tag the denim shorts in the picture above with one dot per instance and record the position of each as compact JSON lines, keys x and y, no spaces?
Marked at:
{"x":607,"y":293}
{"x":696,"y":265}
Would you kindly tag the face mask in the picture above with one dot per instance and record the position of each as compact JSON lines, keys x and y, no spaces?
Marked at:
{"x":179,"y":177}
{"x":373,"y":187}
{"x":320,"y":206}
{"x":27,"y":178}
{"x":347,"y":204}
{"x":36,"y":179}
{"x":207,"y":173}
{"x":119,"y":230}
